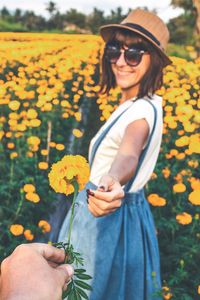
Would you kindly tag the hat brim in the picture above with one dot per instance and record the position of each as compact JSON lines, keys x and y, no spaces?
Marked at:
{"x":107,"y":30}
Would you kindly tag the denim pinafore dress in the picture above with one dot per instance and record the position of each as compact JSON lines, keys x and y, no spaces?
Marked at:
{"x":120,"y":250}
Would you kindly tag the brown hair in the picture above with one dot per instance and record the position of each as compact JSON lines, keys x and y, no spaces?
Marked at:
{"x":151,"y":81}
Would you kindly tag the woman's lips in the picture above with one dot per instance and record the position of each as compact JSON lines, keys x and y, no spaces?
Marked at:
{"x":123,"y":73}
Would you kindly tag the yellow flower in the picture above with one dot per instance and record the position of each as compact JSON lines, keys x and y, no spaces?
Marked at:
{"x":44,"y":152}
{"x":60,"y":147}
{"x":67,"y":171}
{"x":194,"y":197}
{"x":43,"y":165}
{"x":33,"y":197}
{"x":179,"y":188}
{"x":156,"y":200}
{"x":77,"y":133}
{"x":29,"y":188}
{"x":14,"y":105}
{"x":16,"y":229}
{"x":184,"y":218}
{"x":44,"y":225}
{"x":198,"y":290}
{"x":13,"y":155}
{"x":28,"y":235}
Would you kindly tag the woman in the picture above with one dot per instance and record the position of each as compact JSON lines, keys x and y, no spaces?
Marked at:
{"x":115,"y":231}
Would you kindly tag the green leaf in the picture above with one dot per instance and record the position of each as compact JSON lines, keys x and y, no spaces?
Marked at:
{"x":82,"y":293}
{"x":83,"y":276}
{"x":83,"y":284}
{"x":79,"y":271}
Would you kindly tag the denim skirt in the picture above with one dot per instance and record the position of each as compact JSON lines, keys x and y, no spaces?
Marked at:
{"x":120,"y":250}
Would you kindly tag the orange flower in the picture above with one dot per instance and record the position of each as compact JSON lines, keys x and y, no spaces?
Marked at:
{"x":33,"y":197}
{"x":10,"y":145}
{"x":60,"y":147}
{"x":70,"y":169}
{"x":29,"y":188}
{"x":44,"y":225}
{"x":194,"y":197}
{"x":16,"y":229}
{"x":156,"y":200}
{"x":43,"y":165}
{"x":179,"y":188}
{"x":184,"y":218}
{"x":77,"y":133}
{"x":28,"y":235}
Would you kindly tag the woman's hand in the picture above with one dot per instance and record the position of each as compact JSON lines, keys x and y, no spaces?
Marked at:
{"x":107,"y":198}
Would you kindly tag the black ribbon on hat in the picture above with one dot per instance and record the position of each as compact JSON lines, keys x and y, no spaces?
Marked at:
{"x":143,"y":30}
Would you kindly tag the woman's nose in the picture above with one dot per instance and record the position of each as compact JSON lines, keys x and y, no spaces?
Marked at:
{"x":121,"y":60}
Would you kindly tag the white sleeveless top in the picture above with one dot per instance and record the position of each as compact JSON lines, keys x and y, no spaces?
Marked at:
{"x":109,"y":146}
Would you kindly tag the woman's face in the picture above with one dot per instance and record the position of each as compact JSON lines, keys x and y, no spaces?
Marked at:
{"x":128,"y":78}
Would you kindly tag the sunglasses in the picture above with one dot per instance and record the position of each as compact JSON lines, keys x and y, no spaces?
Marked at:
{"x":132,"y":55}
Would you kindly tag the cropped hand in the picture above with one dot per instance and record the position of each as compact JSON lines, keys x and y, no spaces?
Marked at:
{"x":107,"y":198}
{"x":35,"y":272}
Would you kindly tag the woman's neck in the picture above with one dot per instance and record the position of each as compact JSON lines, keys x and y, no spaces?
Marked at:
{"x":128,"y":94}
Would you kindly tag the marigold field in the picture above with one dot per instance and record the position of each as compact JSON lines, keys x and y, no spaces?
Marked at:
{"x":50,"y":106}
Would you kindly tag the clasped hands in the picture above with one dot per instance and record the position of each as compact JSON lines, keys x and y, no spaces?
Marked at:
{"x":107,"y":198}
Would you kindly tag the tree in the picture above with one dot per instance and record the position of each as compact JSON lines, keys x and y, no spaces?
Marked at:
{"x":75,"y":17}
{"x":95,"y":20}
{"x":5,"y":14}
{"x":51,"y":8}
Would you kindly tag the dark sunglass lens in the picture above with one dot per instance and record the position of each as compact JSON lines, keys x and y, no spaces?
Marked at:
{"x":112,"y":53}
{"x":133,"y":57}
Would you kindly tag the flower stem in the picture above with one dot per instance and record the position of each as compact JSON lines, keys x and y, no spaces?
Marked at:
{"x":76,"y":187}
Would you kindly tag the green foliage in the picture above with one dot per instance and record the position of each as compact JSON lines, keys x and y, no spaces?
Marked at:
{"x":13,"y":27}
{"x":76,"y":287}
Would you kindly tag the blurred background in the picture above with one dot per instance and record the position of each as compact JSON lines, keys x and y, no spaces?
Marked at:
{"x":50,"y":106}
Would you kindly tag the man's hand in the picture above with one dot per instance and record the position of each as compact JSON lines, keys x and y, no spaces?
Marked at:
{"x":107,"y":198}
{"x":34,"y":272}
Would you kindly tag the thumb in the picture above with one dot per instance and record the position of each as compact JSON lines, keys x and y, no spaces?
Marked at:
{"x":103,"y":185}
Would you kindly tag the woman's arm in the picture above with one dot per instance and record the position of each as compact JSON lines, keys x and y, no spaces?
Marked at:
{"x":126,"y":160}
{"x":108,"y":197}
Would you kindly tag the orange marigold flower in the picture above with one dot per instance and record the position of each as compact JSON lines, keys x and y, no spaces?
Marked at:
{"x":194,"y":197}
{"x":16,"y":229}
{"x":184,"y":218}
{"x":10,"y":145}
{"x":29,"y":188}
{"x":71,"y":169}
{"x":44,"y":152}
{"x":156,"y":200}
{"x":166,"y":295}
{"x":77,"y":133}
{"x":198,"y":289}
{"x":60,"y":147}
{"x":33,"y":197}
{"x":179,"y":188}
{"x":44,"y":225}
{"x":166,"y":172}
{"x":43,"y":165}
{"x":195,"y":184}
{"x":28,"y":235}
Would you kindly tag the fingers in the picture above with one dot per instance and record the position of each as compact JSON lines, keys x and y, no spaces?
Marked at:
{"x":49,"y":252}
{"x":114,"y":194}
{"x":65,"y":273}
{"x":100,"y":208}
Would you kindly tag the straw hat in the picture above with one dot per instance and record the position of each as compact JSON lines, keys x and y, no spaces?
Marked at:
{"x":147,"y":25}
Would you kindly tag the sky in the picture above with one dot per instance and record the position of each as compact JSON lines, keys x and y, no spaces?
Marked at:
{"x":164,"y":10}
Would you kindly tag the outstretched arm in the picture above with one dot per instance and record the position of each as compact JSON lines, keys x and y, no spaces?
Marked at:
{"x":108,"y":197}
